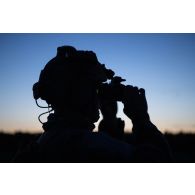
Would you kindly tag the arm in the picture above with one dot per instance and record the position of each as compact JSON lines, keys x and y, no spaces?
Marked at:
{"x":150,"y":143}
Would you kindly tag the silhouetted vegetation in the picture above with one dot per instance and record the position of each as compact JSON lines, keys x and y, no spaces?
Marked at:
{"x":11,"y":143}
{"x":182,"y":145}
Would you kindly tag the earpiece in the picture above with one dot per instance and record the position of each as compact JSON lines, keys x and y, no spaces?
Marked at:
{"x":36,"y":91}
{"x":37,"y":95}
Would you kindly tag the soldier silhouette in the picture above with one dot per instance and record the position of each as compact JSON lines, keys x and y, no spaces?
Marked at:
{"x":74,"y":86}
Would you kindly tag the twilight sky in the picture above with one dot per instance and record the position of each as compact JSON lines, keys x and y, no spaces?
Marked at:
{"x":163,"y":64}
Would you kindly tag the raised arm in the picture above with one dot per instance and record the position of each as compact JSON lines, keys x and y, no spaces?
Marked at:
{"x":151,"y":145}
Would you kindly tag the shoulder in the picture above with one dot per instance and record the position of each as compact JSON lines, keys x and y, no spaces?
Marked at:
{"x":107,"y":145}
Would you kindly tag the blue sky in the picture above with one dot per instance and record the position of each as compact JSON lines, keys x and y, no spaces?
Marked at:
{"x":163,"y":64}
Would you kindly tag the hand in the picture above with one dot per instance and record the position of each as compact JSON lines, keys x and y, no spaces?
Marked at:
{"x":135,"y":103}
{"x":108,"y":109}
{"x":110,"y":124}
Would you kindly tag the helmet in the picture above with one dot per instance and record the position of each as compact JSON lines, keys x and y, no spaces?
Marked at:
{"x":64,"y":71}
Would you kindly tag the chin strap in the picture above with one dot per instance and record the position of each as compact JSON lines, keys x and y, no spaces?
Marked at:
{"x":49,"y":106}
{"x":49,"y":110}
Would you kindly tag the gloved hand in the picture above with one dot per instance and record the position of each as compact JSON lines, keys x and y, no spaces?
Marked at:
{"x":108,"y":108}
{"x":110,"y":124}
{"x":135,"y":104}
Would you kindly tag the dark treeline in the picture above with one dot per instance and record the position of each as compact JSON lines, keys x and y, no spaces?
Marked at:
{"x":182,"y":145}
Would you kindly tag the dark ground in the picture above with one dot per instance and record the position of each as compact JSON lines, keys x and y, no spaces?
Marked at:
{"x":182,"y":145}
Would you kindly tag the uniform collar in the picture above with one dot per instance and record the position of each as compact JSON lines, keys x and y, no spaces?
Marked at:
{"x":61,"y":122}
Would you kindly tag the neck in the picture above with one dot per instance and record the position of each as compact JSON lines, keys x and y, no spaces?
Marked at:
{"x":72,"y":120}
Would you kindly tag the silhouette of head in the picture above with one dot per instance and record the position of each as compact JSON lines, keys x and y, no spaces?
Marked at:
{"x":69,"y":82}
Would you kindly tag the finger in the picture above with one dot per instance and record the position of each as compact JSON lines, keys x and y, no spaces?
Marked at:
{"x":127,"y":92}
{"x":142,"y":91}
{"x":143,"y":97}
{"x":135,"y":88}
{"x":142,"y":94}
{"x":129,"y":87}
{"x":135,"y":92}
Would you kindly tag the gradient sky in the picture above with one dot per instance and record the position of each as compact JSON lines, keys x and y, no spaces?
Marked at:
{"x":163,"y":64}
